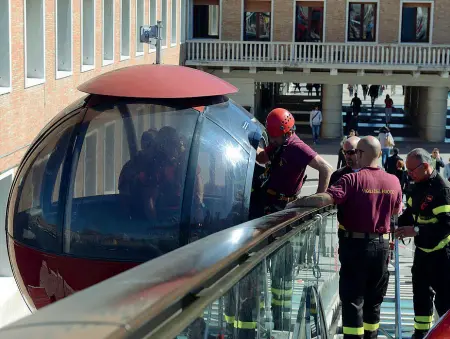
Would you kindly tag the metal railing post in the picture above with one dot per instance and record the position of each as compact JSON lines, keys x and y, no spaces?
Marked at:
{"x":398,"y":316}
{"x":158,"y":43}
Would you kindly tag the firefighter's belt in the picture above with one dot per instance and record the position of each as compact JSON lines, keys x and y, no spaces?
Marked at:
{"x":359,"y":235}
{"x":280,"y":196}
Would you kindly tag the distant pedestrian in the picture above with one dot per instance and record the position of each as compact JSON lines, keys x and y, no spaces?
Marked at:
{"x":436,"y":161}
{"x":373,"y":92}
{"x":315,"y":120}
{"x":393,"y":89}
{"x":317,"y":88}
{"x":350,"y":90}
{"x":365,"y":89}
{"x":387,"y":143}
{"x":388,"y":109}
{"x":447,"y":171}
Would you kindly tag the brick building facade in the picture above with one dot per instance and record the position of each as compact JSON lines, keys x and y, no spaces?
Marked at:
{"x":24,"y":110}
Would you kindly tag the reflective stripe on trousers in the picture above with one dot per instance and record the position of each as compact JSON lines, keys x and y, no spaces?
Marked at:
{"x":423,"y":323}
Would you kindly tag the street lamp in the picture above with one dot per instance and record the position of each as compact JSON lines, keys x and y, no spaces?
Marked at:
{"x":149,"y":33}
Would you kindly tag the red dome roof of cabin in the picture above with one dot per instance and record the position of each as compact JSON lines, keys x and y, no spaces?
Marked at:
{"x":157,"y":82}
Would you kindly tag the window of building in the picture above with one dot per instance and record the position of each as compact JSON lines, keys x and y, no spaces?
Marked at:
{"x":109,"y":168}
{"x":88,"y":35}
{"x":309,"y":21}
{"x":173,"y":21}
{"x":362,"y":20}
{"x":183,"y":21}
{"x":5,"y":51}
{"x":257,"y":20}
{"x":140,"y":12}
{"x":206,"y":19}
{"x":125,"y":29}
{"x":63,"y":38}
{"x":153,"y":21}
{"x":164,"y":23}
{"x":416,"y":22}
{"x":34,"y":42}
{"x":108,"y":32}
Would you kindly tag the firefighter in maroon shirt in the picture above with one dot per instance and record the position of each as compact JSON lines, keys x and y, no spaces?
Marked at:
{"x":288,"y":157}
{"x":368,"y":198}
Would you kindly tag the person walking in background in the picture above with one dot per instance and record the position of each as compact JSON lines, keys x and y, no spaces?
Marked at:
{"x":309,"y":88}
{"x":365,"y":89}
{"x":447,"y":171}
{"x":391,"y":163}
{"x":387,"y":142}
{"x":393,"y":89}
{"x":436,"y":161}
{"x":315,"y":119}
{"x":356,"y":108}
{"x":373,"y":92}
{"x":400,"y":173}
{"x":317,"y":88}
{"x":341,"y":154}
{"x":388,"y":110}
{"x":350,"y":90}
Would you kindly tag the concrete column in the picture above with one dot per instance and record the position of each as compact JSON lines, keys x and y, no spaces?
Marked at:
{"x":332,"y":111}
{"x":435,"y":114}
{"x":407,"y":101}
{"x":421,"y":108}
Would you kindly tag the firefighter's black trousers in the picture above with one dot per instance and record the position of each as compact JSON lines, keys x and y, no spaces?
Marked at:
{"x":431,"y":279}
{"x":363,"y":283}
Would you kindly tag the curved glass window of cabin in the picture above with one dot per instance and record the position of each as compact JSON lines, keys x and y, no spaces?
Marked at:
{"x":39,"y":209}
{"x":219,"y":192}
{"x":129,"y":180}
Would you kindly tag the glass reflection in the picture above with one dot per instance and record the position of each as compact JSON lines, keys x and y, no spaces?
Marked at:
{"x":129,"y":181}
{"x":415,"y":23}
{"x":279,"y":298}
{"x":308,"y":26}
{"x":361,"y":22}
{"x":218,"y":201}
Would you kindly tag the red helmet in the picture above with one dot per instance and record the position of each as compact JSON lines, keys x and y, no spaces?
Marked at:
{"x":279,"y":122}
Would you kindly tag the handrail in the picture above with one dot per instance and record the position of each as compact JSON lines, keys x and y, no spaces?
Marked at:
{"x":181,"y":321}
{"x":150,"y":293}
{"x":318,"y":54}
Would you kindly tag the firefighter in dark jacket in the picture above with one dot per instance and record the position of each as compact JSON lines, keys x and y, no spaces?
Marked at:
{"x":427,"y":219}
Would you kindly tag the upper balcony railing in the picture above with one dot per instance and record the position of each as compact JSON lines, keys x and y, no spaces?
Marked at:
{"x":318,"y":55}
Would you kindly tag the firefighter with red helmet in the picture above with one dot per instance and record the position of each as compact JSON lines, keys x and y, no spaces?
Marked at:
{"x":287,"y":158}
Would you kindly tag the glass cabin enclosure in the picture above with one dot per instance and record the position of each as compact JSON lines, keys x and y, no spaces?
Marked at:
{"x":130,"y":179}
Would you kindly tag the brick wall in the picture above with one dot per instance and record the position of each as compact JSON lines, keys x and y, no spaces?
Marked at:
{"x":441,"y":29}
{"x":232,"y":17}
{"x":25,"y":111}
{"x":335,"y":21}
{"x":282,"y":17}
{"x":389,"y":15}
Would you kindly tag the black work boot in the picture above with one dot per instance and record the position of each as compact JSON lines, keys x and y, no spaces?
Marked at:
{"x":419,"y":334}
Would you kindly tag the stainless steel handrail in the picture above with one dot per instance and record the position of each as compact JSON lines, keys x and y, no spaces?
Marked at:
{"x":150,"y":293}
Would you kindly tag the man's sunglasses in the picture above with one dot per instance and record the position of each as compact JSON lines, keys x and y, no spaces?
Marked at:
{"x":412,"y":170}
{"x":350,"y":152}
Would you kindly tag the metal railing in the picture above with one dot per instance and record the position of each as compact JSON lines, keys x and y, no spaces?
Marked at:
{"x":165,"y":296}
{"x":281,"y":54}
